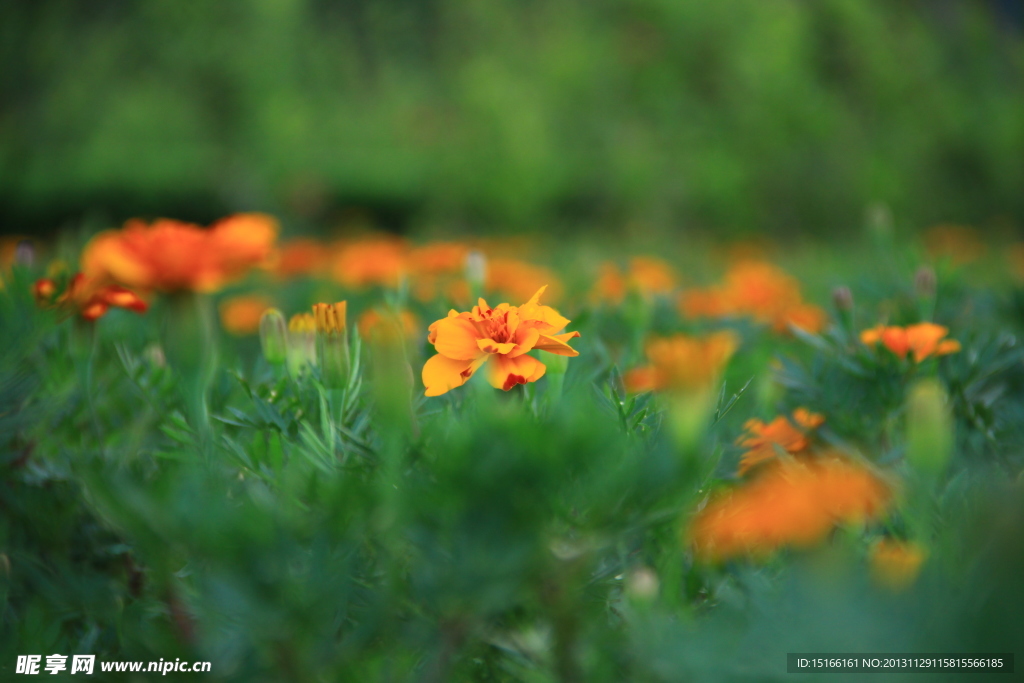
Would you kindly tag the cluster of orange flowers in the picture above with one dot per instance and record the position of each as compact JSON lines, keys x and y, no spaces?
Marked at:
{"x":786,"y":433}
{"x":921,"y":341}
{"x":171,"y":256}
{"x":497,"y":337}
{"x":758,"y":290}
{"x":86,"y":297}
{"x":791,"y":503}
{"x":682,"y":363}
{"x":646,"y":276}
{"x":438,"y":268}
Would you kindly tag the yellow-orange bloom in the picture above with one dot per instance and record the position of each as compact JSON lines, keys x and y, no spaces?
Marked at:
{"x":794,"y":503}
{"x":90,"y":299}
{"x":922,"y":340}
{"x":681,"y":362}
{"x":499,"y":337}
{"x":789,"y":434}
{"x":170,"y":255}
{"x":240,"y":315}
{"x":330,"y":318}
{"x":896,"y":564}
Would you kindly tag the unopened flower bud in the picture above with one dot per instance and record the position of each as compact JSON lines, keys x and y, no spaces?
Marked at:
{"x":842,"y":297}
{"x":273,"y":336}
{"x":925,"y":282}
{"x":301,"y":350}
{"x":332,"y":343}
{"x":929,"y":427}
{"x":556,"y":364}
{"x":879,"y":222}
{"x":642,"y":584}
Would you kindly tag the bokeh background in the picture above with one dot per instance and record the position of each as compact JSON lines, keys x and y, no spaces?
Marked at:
{"x":733,"y":116}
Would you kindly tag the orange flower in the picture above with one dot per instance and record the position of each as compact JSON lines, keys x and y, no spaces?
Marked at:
{"x":792,"y":503}
{"x":387,"y":327}
{"x":789,"y":434}
{"x":646,"y":275}
{"x":436,"y":267}
{"x":90,"y":300}
{"x":240,"y":315}
{"x":896,"y":564}
{"x":681,"y":362}
{"x":371,"y":261}
{"x":759,"y":290}
{"x":301,"y":257}
{"x":170,"y":255}
{"x":922,"y":340}
{"x":503,"y":335}
{"x":519,"y":279}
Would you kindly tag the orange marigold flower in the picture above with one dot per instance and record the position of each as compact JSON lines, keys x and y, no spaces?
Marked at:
{"x":388,"y":327}
{"x":896,"y":564}
{"x":170,"y":255}
{"x":681,"y":362}
{"x":646,"y":275}
{"x":301,"y":257}
{"x":759,"y":290}
{"x":502,"y":335}
{"x":793,"y":503}
{"x":922,"y":340}
{"x":436,"y":267}
{"x":90,"y":299}
{"x":371,"y":261}
{"x":789,"y":434}
{"x":240,"y":315}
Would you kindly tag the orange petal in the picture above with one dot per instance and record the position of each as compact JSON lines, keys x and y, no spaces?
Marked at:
{"x":557,"y":345}
{"x":488,"y":345}
{"x":441,"y":374}
{"x":526,"y":339}
{"x":456,"y":338}
{"x":947,"y":346}
{"x":505,"y":372}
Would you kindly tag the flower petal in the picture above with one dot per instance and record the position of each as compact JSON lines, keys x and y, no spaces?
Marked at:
{"x":488,"y":345}
{"x":441,"y":374}
{"x":557,"y":345}
{"x":456,"y":338}
{"x":505,"y":372}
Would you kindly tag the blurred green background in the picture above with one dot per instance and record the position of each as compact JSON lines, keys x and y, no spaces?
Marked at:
{"x":732,"y":116}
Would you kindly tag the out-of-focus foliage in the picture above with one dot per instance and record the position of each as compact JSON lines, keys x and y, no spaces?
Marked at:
{"x":729,"y":115}
{"x":167,"y":493}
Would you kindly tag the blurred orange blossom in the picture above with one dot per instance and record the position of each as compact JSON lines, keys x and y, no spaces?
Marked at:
{"x":921,"y":340}
{"x":791,"y":503}
{"x":170,"y":255}
{"x":681,"y":362}
{"x":789,"y":434}
{"x":89,"y":299}
{"x":240,"y":315}
{"x":499,"y":337}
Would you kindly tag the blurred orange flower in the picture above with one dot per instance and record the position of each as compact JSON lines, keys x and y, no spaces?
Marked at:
{"x":759,"y":290}
{"x":681,"y":362}
{"x":388,"y":327}
{"x":793,"y":503}
{"x":301,"y":257}
{"x":436,"y":267}
{"x":896,"y":564}
{"x":922,"y":340}
{"x":90,"y":299}
{"x":240,"y":315}
{"x":789,"y":434}
{"x":380,"y":260}
{"x":646,"y":275}
{"x":499,"y":337}
{"x":518,"y":279}
{"x":170,"y":255}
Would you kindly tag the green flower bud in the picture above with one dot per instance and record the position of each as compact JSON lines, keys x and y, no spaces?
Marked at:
{"x":929,"y":427}
{"x":273,"y":336}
